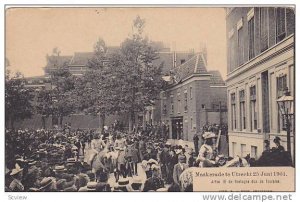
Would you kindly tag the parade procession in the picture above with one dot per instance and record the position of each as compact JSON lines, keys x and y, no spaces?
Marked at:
{"x":116,"y":107}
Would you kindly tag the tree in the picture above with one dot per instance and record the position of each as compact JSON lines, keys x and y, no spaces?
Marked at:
{"x":44,"y":105}
{"x":62,"y":98}
{"x":58,"y":101}
{"x":18,"y":99}
{"x":92,"y":90}
{"x":136,"y":81}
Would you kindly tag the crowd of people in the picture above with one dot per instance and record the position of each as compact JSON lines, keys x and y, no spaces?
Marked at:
{"x":110,"y":160}
{"x":45,"y":160}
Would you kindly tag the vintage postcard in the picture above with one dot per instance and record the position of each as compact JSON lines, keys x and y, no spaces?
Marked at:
{"x":150,"y":99}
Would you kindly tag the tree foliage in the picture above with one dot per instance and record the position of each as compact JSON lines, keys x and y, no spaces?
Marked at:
{"x":18,"y":99}
{"x":136,"y":81}
{"x":58,"y":101}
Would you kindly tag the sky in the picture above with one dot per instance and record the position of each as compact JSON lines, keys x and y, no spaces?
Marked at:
{"x":32,"y":33}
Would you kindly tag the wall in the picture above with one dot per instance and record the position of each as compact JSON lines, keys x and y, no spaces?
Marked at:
{"x":77,"y":121}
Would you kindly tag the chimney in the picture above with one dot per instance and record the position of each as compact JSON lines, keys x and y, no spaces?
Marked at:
{"x":174,"y":53}
{"x":203,"y":50}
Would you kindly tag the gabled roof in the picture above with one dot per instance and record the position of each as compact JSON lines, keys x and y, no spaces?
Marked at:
{"x":216,"y":78}
{"x":81,"y":58}
{"x":195,"y":65}
{"x":57,"y":61}
{"x":167,"y":59}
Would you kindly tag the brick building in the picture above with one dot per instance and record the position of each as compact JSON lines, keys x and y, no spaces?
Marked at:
{"x":260,"y":64}
{"x":77,"y":64}
{"x":195,"y":97}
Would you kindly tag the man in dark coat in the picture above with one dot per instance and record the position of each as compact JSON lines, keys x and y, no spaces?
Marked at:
{"x":196,"y":142}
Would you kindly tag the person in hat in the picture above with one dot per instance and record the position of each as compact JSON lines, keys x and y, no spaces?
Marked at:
{"x":123,"y":185}
{"x":91,"y":186}
{"x":47,"y":184}
{"x":121,"y":163}
{"x":103,"y":187}
{"x":278,"y":146}
{"x":17,"y":175}
{"x":59,"y":171}
{"x":179,"y":168}
{"x":97,"y":146}
{"x":164,"y":157}
{"x":196,"y":140}
{"x":120,"y":142}
{"x":81,"y":180}
{"x":102,"y":175}
{"x":206,"y":151}
{"x":155,"y":181}
{"x":131,"y":155}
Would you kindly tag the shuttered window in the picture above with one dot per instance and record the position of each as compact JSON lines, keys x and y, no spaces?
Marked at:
{"x":240,"y":47}
{"x":251,"y":37}
{"x":280,"y":24}
{"x":264,"y":37}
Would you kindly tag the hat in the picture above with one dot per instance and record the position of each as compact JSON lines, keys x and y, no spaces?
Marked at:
{"x":208,"y":135}
{"x":71,"y":160}
{"x":276,"y":139}
{"x":163,"y":189}
{"x":33,"y":189}
{"x":46,"y":182}
{"x":59,"y":168}
{"x":91,"y":186}
{"x":155,"y":167}
{"x":16,"y":170}
{"x":31,"y":162}
{"x":123,"y":182}
{"x":178,"y":151}
{"x":152,"y":161}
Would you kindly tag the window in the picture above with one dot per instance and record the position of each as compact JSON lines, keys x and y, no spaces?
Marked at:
{"x":185,"y":101}
{"x":242,"y":110}
{"x":251,"y":37}
{"x":231,"y":54}
{"x":281,"y":85}
{"x":264,"y":36}
{"x":172,"y":105}
{"x":182,"y":61}
{"x":253,"y":108}
{"x":191,"y":123}
{"x":243,"y":150}
{"x":164,"y":109}
{"x":178,"y":103}
{"x":233,"y":149}
{"x":233,"y":112}
{"x":240,"y":42}
{"x":280,"y":24}
{"x":191,"y":92}
{"x":254,"y":152}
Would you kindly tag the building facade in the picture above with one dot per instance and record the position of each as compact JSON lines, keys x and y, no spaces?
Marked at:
{"x":194,"y":98}
{"x":260,"y":65}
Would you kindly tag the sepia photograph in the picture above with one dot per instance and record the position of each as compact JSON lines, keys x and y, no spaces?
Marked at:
{"x":150,"y":98}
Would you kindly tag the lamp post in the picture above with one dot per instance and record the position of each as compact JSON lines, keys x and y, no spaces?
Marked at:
{"x":286,"y":108}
